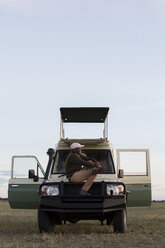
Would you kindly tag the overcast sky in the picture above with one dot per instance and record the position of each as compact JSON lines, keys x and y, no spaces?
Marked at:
{"x":82,"y":53}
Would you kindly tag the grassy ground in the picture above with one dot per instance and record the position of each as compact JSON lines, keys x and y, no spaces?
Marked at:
{"x":146,"y":227}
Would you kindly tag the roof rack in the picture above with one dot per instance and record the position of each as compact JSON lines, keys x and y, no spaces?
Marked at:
{"x":84,"y":115}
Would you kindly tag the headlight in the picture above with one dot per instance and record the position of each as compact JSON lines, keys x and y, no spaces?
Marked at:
{"x":113,"y":189}
{"x":50,"y":190}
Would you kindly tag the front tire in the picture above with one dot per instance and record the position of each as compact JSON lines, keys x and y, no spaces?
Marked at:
{"x":109,"y":219}
{"x":120,"y":221}
{"x":73,"y":221}
{"x":45,"y":222}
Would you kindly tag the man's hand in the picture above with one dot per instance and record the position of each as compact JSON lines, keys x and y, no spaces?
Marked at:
{"x":98,"y":165}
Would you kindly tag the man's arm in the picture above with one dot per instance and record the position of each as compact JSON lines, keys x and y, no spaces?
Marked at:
{"x":81,"y":161}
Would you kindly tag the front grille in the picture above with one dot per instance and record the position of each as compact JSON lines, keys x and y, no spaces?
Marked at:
{"x":72,"y":189}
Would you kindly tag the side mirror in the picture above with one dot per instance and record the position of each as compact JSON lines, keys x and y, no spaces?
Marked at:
{"x":121,"y":173}
{"x":31,"y":173}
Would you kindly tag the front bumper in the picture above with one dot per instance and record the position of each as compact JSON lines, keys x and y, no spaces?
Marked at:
{"x":70,"y":202}
{"x":82,"y":205}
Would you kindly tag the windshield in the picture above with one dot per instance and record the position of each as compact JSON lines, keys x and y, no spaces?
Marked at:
{"x":104,"y":157}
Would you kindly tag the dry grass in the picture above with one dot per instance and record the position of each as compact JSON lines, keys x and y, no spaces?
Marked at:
{"x":146,"y":225}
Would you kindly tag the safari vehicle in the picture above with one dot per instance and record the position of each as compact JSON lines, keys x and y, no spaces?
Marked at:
{"x":58,"y":200}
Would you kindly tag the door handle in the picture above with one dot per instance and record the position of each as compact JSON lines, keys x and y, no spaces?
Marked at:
{"x":14,"y":185}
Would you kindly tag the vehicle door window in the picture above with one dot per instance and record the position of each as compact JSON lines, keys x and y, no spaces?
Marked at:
{"x":133,"y":163}
{"x":22,"y":165}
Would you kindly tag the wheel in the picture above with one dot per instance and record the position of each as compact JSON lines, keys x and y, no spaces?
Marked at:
{"x":73,"y":221}
{"x":57,"y":220}
{"x":45,"y":221}
{"x":109,"y":219}
{"x":120,"y":221}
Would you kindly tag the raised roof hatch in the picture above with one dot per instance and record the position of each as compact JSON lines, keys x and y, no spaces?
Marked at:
{"x":92,"y":115}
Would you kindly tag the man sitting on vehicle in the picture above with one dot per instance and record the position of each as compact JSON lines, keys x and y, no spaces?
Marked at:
{"x":79,"y":168}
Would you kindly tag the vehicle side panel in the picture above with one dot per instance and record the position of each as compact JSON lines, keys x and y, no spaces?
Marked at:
{"x":140,"y":195}
{"x":24,"y":196}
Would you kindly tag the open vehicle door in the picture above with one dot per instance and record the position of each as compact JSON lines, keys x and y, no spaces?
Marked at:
{"x":26,"y":176}
{"x":137,"y":176}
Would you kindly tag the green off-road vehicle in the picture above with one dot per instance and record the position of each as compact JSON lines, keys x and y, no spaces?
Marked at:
{"x":58,"y":200}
